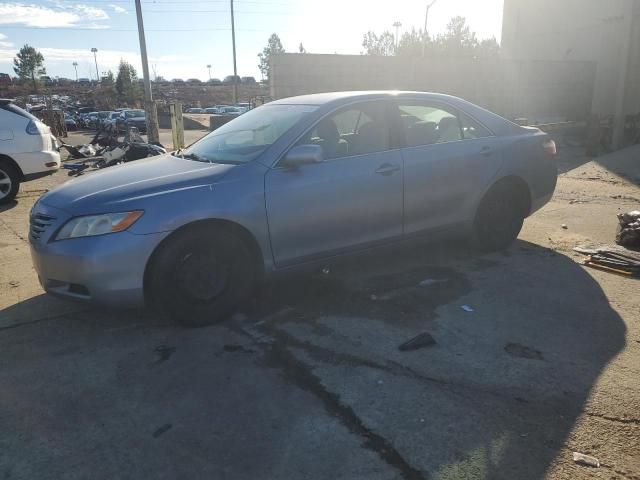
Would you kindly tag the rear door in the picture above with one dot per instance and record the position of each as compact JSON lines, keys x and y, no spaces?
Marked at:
{"x":449,"y":159}
{"x":352,"y":198}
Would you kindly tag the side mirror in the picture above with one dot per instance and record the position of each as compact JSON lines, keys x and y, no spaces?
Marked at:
{"x":303,"y":155}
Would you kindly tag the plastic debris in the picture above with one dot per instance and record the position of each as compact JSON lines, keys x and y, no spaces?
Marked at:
{"x":374,"y":297}
{"x":420,"y":341}
{"x":588,"y":460}
{"x":466,"y":308}
{"x":628,"y":233}
{"x":326,"y":270}
{"x":564,"y":226}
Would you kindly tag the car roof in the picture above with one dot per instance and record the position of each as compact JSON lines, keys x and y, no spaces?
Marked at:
{"x":497,"y":124}
{"x":328,"y":97}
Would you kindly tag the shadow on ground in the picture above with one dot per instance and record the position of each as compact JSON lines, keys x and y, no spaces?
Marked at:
{"x":310,"y":383}
{"x":8,"y":206}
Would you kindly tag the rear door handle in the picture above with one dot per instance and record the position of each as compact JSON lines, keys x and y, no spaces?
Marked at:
{"x":486,"y":151}
{"x":387,"y":169}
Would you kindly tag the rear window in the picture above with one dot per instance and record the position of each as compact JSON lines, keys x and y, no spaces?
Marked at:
{"x":10,"y":107}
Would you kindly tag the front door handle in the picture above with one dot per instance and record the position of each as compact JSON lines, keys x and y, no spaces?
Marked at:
{"x":387,"y":169}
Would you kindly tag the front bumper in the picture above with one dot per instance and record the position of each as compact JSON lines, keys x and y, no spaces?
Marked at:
{"x":106,"y":269}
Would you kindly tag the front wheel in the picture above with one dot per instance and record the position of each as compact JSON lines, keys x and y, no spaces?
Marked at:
{"x":200,"y":276}
{"x":498,"y":220}
{"x":9,"y":182}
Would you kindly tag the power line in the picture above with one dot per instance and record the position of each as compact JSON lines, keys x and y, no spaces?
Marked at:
{"x":158,"y":29}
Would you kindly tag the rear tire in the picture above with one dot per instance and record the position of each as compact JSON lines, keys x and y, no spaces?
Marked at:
{"x":9,"y":182}
{"x":200,"y":276}
{"x":499,"y":219}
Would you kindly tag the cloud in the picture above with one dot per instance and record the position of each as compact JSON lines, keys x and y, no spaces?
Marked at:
{"x":3,"y":42}
{"x":118,"y":8}
{"x":63,"y":15}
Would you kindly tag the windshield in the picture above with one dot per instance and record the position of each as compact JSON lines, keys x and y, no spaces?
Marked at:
{"x":134,"y":113}
{"x":246,"y":137}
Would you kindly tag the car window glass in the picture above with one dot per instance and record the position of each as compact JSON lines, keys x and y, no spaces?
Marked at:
{"x":355,"y":130}
{"x":428,"y":124}
{"x":472,"y":129}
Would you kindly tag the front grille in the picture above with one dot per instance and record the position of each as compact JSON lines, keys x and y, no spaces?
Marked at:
{"x":38,"y":224}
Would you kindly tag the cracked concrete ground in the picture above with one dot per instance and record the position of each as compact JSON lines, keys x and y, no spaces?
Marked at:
{"x":308,"y":382}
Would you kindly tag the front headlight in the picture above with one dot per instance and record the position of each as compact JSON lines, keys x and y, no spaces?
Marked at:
{"x":91,"y":225}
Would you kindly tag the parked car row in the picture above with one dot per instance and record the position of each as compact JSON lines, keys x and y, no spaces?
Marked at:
{"x":237,"y":109}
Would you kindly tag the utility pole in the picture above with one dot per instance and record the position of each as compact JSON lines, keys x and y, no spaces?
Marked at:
{"x":209,"y":68}
{"x":149,"y":105}
{"x":235,"y":69}
{"x":426,"y":36}
{"x":75,"y":65}
{"x":397,"y":25}
{"x":95,"y":58}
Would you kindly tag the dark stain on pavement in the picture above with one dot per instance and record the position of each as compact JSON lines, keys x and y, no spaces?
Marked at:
{"x":522,"y":351}
{"x":163,"y":353}
{"x":162,"y":430}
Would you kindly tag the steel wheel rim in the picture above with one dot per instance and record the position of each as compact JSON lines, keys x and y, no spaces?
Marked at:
{"x":5,"y":184}
{"x":202,"y":277}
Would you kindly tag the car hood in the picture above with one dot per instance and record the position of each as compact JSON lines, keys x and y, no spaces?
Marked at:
{"x":132,"y":184}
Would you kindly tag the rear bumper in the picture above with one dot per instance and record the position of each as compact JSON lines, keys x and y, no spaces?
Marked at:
{"x":35,"y":162}
{"x":107,"y":269}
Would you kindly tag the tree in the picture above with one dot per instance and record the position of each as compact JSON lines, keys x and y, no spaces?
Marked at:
{"x":458,"y":40}
{"x":410,"y":43}
{"x":105,"y":96}
{"x":127,"y":83}
{"x":274,"y":46}
{"x":301,"y":48}
{"x":384,"y":44}
{"x":28,"y":64}
{"x":489,"y":48}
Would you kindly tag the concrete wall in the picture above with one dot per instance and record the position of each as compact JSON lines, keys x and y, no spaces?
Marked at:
{"x":586,"y":30}
{"x":539,"y":90}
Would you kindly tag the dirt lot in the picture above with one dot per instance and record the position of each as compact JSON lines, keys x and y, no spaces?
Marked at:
{"x":308,"y":381}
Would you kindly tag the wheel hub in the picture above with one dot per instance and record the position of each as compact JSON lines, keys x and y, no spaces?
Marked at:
{"x":201,"y":276}
{"x":5,"y":184}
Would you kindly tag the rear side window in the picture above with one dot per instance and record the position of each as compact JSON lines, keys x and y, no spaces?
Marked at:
{"x":425,"y":124}
{"x":10,"y":107}
{"x":472,"y":129}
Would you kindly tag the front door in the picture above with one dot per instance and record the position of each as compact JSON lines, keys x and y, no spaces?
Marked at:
{"x":352,"y":198}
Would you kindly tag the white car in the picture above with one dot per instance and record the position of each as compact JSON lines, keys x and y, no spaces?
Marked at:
{"x":27,"y":149}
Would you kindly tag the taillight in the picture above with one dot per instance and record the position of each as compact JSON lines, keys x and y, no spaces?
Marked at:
{"x":549,"y":147}
{"x":36,"y":128}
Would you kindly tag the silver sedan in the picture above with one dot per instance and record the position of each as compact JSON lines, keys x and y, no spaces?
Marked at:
{"x":292,"y":182}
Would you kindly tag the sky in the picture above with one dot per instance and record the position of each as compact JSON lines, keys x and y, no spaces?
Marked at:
{"x":184,"y":36}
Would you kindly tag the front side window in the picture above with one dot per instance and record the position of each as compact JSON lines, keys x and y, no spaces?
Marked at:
{"x":425,"y":124}
{"x":354,"y":130}
{"x":244,"y":138}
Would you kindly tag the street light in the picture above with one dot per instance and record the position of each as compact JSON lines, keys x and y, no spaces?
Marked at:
{"x":95,"y":50}
{"x":75,"y":65}
{"x":397,"y":25}
{"x":209,"y":68}
{"x":426,"y":18}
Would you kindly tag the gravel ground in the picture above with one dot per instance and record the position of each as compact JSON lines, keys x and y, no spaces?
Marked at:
{"x":307,"y":381}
